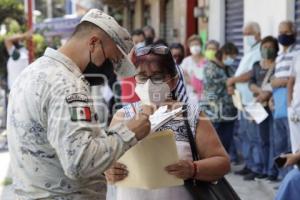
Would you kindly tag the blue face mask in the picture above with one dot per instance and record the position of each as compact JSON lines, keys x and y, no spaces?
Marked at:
{"x":250,"y":40}
{"x":228,"y":61}
{"x":140,"y":45}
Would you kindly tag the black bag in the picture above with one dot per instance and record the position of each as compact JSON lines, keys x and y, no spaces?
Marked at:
{"x":201,"y":190}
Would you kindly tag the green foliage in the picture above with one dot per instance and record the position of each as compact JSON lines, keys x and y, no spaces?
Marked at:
{"x":39,"y":45}
{"x":11,"y":9}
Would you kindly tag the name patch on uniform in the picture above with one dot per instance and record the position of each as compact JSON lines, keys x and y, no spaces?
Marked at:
{"x":81,"y":114}
{"x":77,"y":97}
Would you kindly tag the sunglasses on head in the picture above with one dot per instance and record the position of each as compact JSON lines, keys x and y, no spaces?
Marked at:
{"x":157,"y":49}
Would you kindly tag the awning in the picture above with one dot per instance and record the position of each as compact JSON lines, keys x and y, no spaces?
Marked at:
{"x":57,"y":26}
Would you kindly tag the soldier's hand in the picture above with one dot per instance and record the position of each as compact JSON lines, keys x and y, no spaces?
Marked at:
{"x":140,"y":125}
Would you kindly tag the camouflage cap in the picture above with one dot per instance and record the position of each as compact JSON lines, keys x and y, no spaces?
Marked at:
{"x":109,"y":25}
{"x":118,"y":34}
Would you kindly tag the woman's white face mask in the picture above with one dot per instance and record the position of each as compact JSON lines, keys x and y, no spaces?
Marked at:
{"x":150,"y":93}
{"x":195,"y":49}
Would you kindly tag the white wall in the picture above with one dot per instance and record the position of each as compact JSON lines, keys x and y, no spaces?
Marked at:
{"x":268,"y":13}
{"x":179,"y":14}
{"x":216,"y":20}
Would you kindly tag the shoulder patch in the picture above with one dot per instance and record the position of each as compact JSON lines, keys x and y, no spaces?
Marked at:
{"x":77,"y":97}
{"x":80,"y":114}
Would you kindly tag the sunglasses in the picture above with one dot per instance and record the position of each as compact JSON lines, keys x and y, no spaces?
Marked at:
{"x":159,"y":50}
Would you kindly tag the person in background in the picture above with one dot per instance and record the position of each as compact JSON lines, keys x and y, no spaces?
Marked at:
{"x":259,"y":84}
{"x":287,"y":39}
{"x":223,"y":112}
{"x":138,"y":38}
{"x":240,"y":82}
{"x":17,"y":61}
{"x":211,"y":48}
{"x":193,"y":67}
{"x":177,"y":51}
{"x":160,"y":41}
{"x":18,"y":56}
{"x":128,"y":84}
{"x":294,"y":104}
{"x":149,"y":35}
{"x":290,"y":186}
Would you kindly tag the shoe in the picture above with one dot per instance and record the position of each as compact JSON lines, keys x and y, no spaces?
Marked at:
{"x":261,"y":176}
{"x":244,"y":171}
{"x":272,"y":178}
{"x":250,"y":177}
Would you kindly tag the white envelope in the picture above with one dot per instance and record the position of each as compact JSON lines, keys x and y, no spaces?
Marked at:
{"x":257,"y":112}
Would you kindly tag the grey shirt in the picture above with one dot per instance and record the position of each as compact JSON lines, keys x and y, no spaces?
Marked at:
{"x":57,"y":148}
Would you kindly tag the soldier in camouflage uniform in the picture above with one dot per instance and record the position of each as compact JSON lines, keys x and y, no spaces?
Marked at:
{"x":57,"y":148}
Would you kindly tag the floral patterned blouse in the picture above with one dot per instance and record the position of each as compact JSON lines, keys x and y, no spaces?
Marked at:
{"x":220,"y":107}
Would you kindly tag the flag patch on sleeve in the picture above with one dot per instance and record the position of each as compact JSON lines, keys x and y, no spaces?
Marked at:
{"x":81,"y":114}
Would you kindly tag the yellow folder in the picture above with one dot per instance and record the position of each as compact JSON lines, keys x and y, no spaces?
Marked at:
{"x":147,"y":160}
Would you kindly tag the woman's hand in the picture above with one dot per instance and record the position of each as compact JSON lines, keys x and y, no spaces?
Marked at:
{"x":291,"y":159}
{"x":230,"y":90}
{"x":183,"y":169}
{"x":230,"y":82}
{"x":263,"y":96}
{"x":115,"y":173}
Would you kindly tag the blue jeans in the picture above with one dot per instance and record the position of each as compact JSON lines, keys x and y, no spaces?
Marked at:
{"x":236,"y":146}
{"x":264,"y":130}
{"x":279,"y":143}
{"x":255,"y":150}
{"x":290,"y":186}
{"x":225,"y":132}
{"x":245,"y":130}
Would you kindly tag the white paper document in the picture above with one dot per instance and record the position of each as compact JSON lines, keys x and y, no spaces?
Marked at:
{"x":147,"y":160}
{"x":257,"y":112}
{"x":162,"y":116}
{"x":237,"y":100}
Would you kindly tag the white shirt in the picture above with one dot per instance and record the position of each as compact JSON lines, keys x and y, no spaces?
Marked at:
{"x":246,"y":64}
{"x":295,"y":72}
{"x":57,"y":148}
{"x":15,"y":67}
{"x":294,"y":109}
{"x":284,"y":62}
{"x":192,"y":68}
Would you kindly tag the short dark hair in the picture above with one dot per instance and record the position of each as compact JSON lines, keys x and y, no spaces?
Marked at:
{"x":83,"y":28}
{"x":213,"y":42}
{"x":149,"y":28}
{"x":177,"y":46}
{"x":137,"y":32}
{"x":229,"y":49}
{"x":165,"y":62}
{"x":272,"y":40}
{"x":160,"y":42}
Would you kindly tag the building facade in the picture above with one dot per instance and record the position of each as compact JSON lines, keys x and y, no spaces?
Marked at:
{"x":227,"y":17}
{"x":173,"y":20}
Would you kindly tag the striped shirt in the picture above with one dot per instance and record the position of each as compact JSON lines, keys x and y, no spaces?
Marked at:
{"x":180,"y":92}
{"x":284,"y":62}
